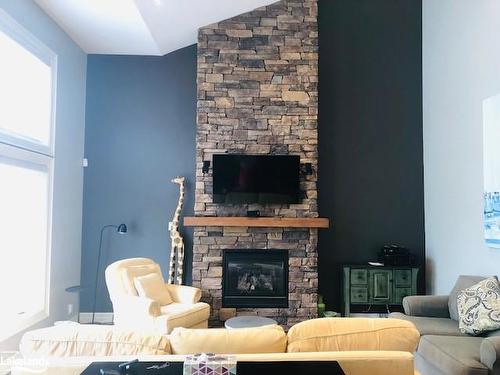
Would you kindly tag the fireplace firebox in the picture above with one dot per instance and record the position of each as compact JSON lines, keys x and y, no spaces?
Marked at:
{"x":255,"y":278}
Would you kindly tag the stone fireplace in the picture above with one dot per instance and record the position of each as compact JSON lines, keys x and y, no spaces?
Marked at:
{"x":257,"y":94}
{"x":253,"y":278}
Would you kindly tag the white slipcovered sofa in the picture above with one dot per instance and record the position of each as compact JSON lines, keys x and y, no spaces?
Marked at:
{"x":360,"y":346}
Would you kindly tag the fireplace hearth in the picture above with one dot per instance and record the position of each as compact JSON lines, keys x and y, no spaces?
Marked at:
{"x":255,"y":278}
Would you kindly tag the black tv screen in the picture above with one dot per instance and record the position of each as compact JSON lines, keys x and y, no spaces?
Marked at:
{"x":272,"y":179}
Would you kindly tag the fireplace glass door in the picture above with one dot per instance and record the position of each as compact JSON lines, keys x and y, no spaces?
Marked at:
{"x":255,"y":278}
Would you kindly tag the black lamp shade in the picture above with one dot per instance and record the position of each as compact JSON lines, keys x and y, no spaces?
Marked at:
{"x":122,"y":229}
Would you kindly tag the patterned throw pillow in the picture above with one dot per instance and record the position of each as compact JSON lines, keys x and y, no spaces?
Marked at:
{"x":479,"y":307}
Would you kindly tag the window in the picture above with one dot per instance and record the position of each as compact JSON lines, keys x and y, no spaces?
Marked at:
{"x":27,"y":96}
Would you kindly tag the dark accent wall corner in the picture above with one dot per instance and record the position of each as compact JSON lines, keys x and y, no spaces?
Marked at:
{"x":370,"y":133}
{"x":140,"y":133}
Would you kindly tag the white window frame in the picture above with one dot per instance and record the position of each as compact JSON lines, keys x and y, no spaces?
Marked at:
{"x":36,"y":161}
{"x":29,"y":152}
{"x":24,"y":38}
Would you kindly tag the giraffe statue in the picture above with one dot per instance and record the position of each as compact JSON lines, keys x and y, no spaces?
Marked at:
{"x":177,"y":251}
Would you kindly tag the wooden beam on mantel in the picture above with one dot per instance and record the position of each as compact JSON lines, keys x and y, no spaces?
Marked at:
{"x":261,"y":222}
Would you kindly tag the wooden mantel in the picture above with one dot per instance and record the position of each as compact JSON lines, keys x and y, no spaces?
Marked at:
{"x":262,"y":222}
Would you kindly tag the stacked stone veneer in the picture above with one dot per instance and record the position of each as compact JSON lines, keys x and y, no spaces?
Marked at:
{"x":257,"y":94}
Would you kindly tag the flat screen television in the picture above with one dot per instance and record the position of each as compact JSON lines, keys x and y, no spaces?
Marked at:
{"x":265,"y":179}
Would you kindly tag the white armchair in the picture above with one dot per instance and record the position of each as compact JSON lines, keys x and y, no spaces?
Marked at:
{"x":139,"y":312}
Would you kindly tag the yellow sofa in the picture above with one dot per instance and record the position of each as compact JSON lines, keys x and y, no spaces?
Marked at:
{"x":361,"y":346}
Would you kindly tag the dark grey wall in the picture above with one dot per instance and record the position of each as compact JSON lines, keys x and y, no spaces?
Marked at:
{"x":140,"y":133}
{"x":370,"y":132}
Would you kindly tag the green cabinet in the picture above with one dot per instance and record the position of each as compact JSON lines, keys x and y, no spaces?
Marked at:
{"x":359,"y":294}
{"x":400,"y":293}
{"x":403,"y":277}
{"x":380,"y":283}
{"x":382,"y":286}
{"x":359,"y":277}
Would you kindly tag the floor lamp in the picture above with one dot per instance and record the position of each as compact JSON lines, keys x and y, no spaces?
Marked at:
{"x":120,"y":229}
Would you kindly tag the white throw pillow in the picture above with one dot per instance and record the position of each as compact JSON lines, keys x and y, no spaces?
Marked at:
{"x":131,"y":272}
{"x":152,"y":286}
{"x":479,"y":307}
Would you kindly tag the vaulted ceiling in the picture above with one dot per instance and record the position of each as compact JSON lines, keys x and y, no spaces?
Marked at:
{"x":140,"y":27}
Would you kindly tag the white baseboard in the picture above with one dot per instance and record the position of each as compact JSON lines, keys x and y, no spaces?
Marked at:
{"x":100,"y":317}
{"x":73,"y":317}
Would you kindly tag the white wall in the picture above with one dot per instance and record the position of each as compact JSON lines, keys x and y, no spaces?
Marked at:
{"x":461,"y":68}
{"x":68,"y":173}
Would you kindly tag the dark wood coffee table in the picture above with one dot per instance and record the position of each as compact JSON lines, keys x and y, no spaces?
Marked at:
{"x":243,"y":368}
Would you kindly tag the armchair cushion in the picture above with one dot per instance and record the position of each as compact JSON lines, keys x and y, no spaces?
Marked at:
{"x":431,"y":326}
{"x":490,"y":353}
{"x":339,"y":334}
{"x":453,"y":355}
{"x":428,"y":306}
{"x":152,"y":286}
{"x":183,"y":293}
{"x":131,"y":272}
{"x":463,"y":282}
{"x":182,"y":315}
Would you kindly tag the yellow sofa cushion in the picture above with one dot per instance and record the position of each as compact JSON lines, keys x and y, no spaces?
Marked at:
{"x":268,"y":339}
{"x":152,"y":286}
{"x":76,"y":340}
{"x":348,"y":334}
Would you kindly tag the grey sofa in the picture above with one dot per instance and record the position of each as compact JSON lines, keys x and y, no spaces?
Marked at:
{"x":443,"y":349}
